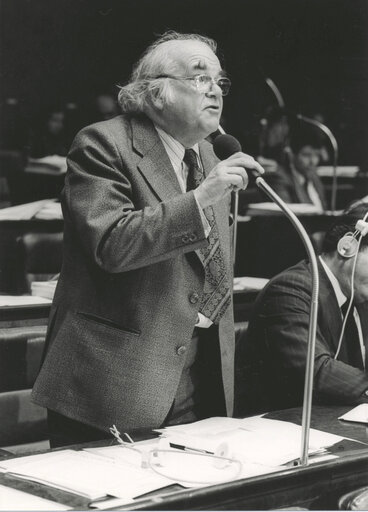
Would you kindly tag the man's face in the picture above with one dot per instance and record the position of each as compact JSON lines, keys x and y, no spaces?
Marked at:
{"x":192,"y":115}
{"x":307,"y":160}
{"x":361,"y":277}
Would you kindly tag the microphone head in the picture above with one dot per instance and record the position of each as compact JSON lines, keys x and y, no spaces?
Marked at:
{"x":225,"y":145}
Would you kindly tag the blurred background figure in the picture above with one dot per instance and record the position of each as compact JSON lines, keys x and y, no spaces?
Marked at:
{"x":296,"y":180}
{"x":104,"y":107}
{"x":50,"y":137}
{"x":273,"y":138}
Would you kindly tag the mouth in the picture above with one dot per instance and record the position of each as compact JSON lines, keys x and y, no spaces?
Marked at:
{"x":213,"y":108}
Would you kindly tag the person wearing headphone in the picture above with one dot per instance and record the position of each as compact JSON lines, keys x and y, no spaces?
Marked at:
{"x":272,"y":358}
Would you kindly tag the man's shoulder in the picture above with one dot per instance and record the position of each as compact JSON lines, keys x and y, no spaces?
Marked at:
{"x":300,"y":272}
{"x":116,"y":124}
{"x":292,"y":282}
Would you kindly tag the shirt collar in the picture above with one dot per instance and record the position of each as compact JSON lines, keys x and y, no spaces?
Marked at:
{"x":173,"y":147}
{"x":341,"y":299}
{"x":300,"y":178}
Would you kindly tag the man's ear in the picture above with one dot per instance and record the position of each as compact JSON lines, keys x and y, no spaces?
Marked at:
{"x":156,"y":100}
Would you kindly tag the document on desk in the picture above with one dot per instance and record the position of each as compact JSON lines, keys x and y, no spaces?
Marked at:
{"x":22,"y":300}
{"x":86,"y":474}
{"x":257,"y":440}
{"x":359,"y":414}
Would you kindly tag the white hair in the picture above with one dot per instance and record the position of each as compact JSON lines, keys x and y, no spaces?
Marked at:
{"x":135,"y":95}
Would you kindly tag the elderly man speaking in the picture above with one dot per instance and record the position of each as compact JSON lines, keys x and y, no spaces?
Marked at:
{"x":141,"y":328}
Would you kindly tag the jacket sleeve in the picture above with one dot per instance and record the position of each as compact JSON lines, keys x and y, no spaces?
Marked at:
{"x":286,"y":319}
{"x":99,"y":202}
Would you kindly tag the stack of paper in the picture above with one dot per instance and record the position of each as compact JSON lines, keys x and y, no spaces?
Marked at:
{"x":48,"y":164}
{"x":359,"y":414}
{"x":22,"y":300}
{"x":297,"y":208}
{"x":45,"y":209}
{"x":86,"y":474}
{"x":249,"y":283}
{"x":255,"y":440}
{"x":43,"y":288}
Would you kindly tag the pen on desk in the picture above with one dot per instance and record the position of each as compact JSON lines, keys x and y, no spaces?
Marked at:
{"x":106,"y":503}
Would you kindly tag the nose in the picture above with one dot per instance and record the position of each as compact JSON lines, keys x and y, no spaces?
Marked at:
{"x":214,"y":89}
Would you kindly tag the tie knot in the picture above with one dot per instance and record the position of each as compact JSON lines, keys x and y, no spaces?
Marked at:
{"x":190,"y":158}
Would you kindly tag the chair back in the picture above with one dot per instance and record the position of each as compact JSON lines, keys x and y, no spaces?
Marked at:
{"x":40,"y":256}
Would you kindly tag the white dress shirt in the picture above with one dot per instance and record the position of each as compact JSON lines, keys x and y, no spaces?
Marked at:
{"x":341,"y":299}
{"x":311,"y":191}
{"x":176,"y":151}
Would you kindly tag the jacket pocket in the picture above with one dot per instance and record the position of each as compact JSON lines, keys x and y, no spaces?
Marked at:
{"x":106,"y":322}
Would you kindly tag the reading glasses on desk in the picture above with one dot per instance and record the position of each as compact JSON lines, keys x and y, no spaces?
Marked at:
{"x":184,"y":465}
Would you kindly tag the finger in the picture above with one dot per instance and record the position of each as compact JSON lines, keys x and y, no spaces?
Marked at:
{"x":239,"y":171}
{"x":236,"y":180}
{"x":245,"y":161}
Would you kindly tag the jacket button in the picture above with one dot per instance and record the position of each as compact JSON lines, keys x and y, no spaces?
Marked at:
{"x":181,"y":350}
{"x":193,"y":298}
{"x":192,"y":237}
{"x":366,"y":392}
{"x":185,"y":239}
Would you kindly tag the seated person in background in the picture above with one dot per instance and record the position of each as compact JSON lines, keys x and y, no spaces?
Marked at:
{"x":298,"y":182}
{"x":273,"y":138}
{"x":273,"y":357}
{"x":51,"y":137}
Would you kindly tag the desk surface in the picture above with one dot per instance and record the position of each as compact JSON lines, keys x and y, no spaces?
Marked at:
{"x":318,"y":485}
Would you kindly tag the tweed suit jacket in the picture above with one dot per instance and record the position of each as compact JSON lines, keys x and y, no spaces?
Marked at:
{"x":274,"y":354}
{"x":288,"y":187}
{"x":128,"y":295}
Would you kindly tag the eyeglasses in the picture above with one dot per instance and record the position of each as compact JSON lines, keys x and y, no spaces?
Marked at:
{"x":203,"y":83}
{"x":187,"y":467}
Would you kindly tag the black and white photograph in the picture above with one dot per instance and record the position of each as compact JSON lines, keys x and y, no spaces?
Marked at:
{"x":183,"y":255}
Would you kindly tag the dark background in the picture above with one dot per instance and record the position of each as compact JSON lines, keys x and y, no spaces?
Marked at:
{"x":316,"y":51}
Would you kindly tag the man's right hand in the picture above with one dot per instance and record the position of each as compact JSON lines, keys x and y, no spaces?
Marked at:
{"x":226,"y":176}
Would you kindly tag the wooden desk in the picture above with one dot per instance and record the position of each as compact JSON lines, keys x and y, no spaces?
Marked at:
{"x":21,"y":316}
{"x":318,"y":485}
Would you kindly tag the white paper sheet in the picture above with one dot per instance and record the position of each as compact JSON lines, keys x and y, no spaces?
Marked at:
{"x":22,"y":300}
{"x":359,"y":414}
{"x":87,"y":474}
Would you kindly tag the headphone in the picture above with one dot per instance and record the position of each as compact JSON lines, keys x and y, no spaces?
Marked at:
{"x":348,"y":245}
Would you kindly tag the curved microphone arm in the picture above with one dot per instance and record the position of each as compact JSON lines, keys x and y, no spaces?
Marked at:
{"x":335,"y":149}
{"x":309,"y":370}
{"x":236,"y":208}
{"x":276,"y":91}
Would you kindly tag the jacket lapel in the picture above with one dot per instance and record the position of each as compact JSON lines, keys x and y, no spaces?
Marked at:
{"x":331,"y":311}
{"x":155,"y":164}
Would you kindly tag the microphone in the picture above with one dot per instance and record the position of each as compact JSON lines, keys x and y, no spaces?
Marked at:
{"x":224,"y":146}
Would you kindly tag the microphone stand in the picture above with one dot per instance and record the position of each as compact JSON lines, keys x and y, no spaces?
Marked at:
{"x":235,"y":208}
{"x":309,"y":370}
{"x":335,"y":148}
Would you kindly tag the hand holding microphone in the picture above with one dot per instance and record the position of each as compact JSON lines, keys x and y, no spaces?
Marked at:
{"x":229,"y":174}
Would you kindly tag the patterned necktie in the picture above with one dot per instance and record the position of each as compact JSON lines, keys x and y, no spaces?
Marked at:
{"x":351,"y":336}
{"x":216,"y":296}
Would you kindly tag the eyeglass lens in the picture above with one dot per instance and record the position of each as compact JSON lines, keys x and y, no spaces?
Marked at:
{"x":205,"y":81}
